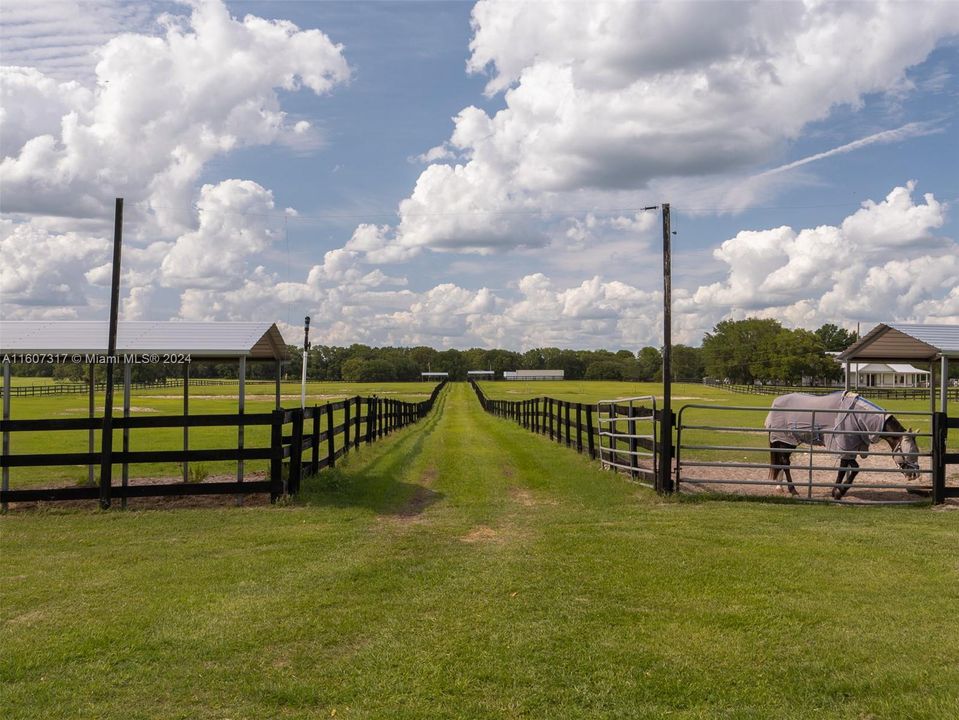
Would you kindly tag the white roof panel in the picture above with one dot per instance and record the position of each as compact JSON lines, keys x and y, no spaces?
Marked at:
{"x":203,"y":340}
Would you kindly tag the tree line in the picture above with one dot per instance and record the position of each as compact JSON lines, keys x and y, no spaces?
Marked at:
{"x":741,"y":351}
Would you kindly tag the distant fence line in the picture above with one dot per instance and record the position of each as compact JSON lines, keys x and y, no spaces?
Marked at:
{"x":82,"y":388}
{"x":314,"y":429}
{"x":879,"y":393}
{"x":577,"y":426}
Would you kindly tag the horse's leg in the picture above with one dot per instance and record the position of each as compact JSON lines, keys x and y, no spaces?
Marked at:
{"x":849,"y":469}
{"x":778,"y":457}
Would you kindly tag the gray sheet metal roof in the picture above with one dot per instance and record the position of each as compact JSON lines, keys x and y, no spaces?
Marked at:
{"x":905,"y":341}
{"x":201,"y":340}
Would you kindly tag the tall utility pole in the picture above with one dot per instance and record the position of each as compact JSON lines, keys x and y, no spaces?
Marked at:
{"x":106,"y":453}
{"x":666,"y":427}
{"x":306,"y":357}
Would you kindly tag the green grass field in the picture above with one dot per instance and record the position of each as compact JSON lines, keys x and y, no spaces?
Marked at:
{"x":465,"y":568}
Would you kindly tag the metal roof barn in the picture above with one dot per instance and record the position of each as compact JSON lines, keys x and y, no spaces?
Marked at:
{"x":909,"y":342}
{"x":200,"y":340}
{"x":85,"y":341}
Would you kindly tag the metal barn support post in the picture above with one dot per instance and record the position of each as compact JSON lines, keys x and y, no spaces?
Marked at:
{"x":6,"y":416}
{"x":186,"y":427}
{"x":943,"y":384}
{"x":932,"y":386}
{"x":125,"y":473}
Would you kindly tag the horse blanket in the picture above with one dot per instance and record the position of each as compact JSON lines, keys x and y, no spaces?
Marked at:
{"x":789,"y":424}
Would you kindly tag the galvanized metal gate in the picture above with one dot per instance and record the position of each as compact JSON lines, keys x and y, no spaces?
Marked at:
{"x":629,"y":437}
{"x":699,"y":462}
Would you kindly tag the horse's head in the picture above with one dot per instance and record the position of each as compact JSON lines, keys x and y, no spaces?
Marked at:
{"x":906,"y":455}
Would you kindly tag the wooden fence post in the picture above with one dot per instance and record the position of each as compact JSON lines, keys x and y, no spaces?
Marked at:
{"x":940,"y":430}
{"x":579,"y":427}
{"x":330,"y":437}
{"x":590,"y":440}
{"x":277,"y":486}
{"x":315,"y":442}
{"x":568,"y":440}
{"x":296,"y":452}
{"x":369,"y":420}
{"x":346,"y":426}
{"x":359,"y":412}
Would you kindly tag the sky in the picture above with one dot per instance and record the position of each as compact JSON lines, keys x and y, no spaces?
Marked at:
{"x":477,"y":175}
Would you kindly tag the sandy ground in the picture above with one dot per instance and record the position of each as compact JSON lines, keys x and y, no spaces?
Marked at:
{"x":800,"y":476}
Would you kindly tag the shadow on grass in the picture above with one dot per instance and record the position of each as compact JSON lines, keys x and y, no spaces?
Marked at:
{"x":374,"y":484}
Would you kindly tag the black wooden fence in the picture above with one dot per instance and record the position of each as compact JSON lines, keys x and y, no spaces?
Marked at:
{"x":577,"y":425}
{"x":315,"y":429}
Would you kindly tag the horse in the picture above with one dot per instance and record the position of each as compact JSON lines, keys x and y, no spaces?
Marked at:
{"x":790,"y":424}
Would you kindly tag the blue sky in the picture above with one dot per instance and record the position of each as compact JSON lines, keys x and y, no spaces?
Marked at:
{"x":521,"y":228}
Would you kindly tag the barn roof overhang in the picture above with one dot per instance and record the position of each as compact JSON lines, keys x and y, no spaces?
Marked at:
{"x":895,"y":342}
{"x":199,"y":340}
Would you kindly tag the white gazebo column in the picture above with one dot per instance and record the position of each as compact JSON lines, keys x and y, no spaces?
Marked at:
{"x":6,"y":416}
{"x":847,"y":375}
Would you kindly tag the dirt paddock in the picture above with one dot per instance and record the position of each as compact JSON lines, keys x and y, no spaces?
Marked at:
{"x":800,"y":476}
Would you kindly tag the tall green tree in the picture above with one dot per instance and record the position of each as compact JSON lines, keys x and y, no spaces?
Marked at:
{"x":835,"y":338}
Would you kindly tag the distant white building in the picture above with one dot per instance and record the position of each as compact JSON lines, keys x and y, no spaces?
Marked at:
{"x":434,"y":375}
{"x":533,"y":375}
{"x":481,"y":374}
{"x":887,"y":375}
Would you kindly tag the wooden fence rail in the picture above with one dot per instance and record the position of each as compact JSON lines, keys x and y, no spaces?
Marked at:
{"x":366,"y":418}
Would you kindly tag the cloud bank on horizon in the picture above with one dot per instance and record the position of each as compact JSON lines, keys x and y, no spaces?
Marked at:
{"x":602,"y":109}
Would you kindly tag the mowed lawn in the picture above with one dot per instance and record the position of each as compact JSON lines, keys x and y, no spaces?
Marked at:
{"x":464,"y":568}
